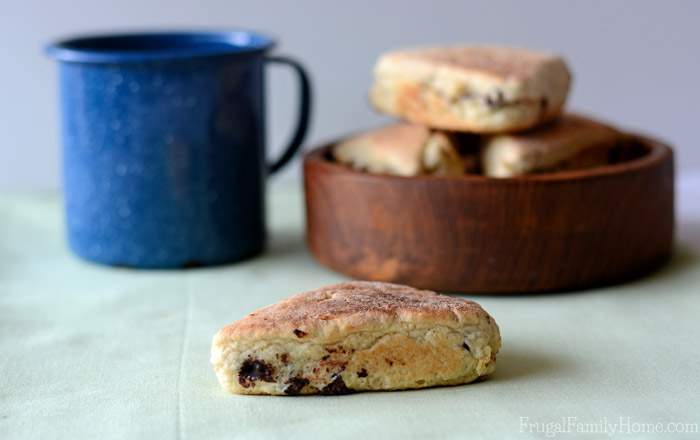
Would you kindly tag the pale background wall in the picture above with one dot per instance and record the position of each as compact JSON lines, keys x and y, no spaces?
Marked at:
{"x":637,"y":63}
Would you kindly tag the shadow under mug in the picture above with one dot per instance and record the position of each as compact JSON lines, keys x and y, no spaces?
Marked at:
{"x":164,"y":148}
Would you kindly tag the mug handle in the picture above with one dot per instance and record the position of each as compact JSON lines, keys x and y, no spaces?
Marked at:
{"x":304,"y":112}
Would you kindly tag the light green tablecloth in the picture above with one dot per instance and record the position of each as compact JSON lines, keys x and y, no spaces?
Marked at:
{"x":95,"y":352}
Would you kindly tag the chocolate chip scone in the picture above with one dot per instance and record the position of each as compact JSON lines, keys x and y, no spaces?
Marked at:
{"x":403,"y":150}
{"x":474,"y":89}
{"x":356,"y":336}
{"x":551,"y":146}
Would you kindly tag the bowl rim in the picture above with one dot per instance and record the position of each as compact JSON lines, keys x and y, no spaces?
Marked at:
{"x":130,"y":46}
{"x":659,"y":151}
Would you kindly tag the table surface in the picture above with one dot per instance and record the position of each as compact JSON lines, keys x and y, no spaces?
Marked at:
{"x":96,"y":352}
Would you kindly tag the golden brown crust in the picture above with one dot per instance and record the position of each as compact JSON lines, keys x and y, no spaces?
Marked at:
{"x":546,"y":146}
{"x":409,"y":136}
{"x":356,"y":304}
{"x":569,"y":129}
{"x":394,"y":149}
{"x":401,"y":149}
{"x":475,"y":89}
{"x":498,"y":62}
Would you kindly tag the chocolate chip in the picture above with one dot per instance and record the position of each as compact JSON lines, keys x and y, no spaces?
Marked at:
{"x":285,"y":358}
{"x":495,"y":101}
{"x":295,"y":385}
{"x":337,"y":386}
{"x":466,"y":347}
{"x":325,"y":358}
{"x":362,"y":373}
{"x":299,"y":333}
{"x":254,"y":369}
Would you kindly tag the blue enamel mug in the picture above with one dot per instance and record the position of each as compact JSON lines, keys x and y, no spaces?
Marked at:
{"x":164,"y":145}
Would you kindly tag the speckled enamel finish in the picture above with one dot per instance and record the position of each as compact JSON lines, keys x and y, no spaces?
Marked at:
{"x":164,"y":158}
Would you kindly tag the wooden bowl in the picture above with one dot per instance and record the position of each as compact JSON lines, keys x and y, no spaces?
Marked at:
{"x":555,"y":231}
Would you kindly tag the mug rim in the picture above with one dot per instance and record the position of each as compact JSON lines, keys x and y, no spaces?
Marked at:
{"x":157,"y":45}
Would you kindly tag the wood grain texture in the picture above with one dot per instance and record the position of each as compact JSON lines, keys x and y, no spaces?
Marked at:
{"x":556,"y":231}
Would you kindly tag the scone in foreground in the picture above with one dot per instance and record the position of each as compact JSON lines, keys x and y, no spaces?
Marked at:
{"x":473,"y":89}
{"x":356,"y":336}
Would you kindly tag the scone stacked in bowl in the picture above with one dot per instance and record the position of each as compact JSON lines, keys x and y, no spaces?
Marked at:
{"x":486,"y":184}
{"x":480,"y":110}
